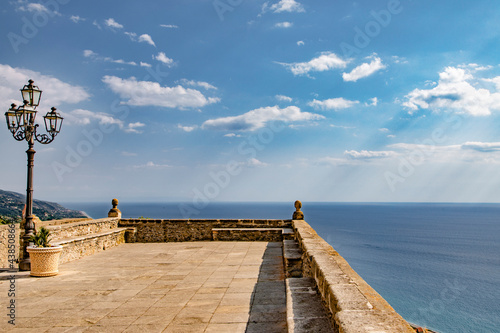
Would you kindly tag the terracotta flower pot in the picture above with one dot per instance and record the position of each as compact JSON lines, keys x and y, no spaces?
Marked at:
{"x":44,"y":260}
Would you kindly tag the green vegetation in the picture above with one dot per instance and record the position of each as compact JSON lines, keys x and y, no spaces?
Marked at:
{"x":41,"y":238}
{"x":9,"y":220}
{"x":12,"y":204}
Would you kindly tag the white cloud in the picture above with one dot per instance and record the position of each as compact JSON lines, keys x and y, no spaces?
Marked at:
{"x":399,"y":60}
{"x":485,"y":147}
{"x":146,"y":39}
{"x":97,"y":25}
{"x":55,"y":91}
{"x":151,"y":165}
{"x":164,"y":59}
{"x":384,"y":130}
{"x":325,"y":62}
{"x":85,"y":117}
{"x":286,"y":6}
{"x":76,"y":18}
{"x":170,"y":26}
{"x":364,"y":70}
{"x":343,"y":127}
{"x":456,"y":92}
{"x":232,"y":135}
{"x":253,"y":162}
{"x":368,"y":155}
{"x":373,"y":102}
{"x":35,"y":7}
{"x":333,"y":161}
{"x":354,"y":157}
{"x":131,"y":35}
{"x":128,"y":154}
{"x":145,"y":64}
{"x":495,"y":81}
{"x":258,"y":118}
{"x":283,"y":98}
{"x":186,"y":128}
{"x":300,"y":43}
{"x":133,"y":127}
{"x":147,"y":93}
{"x":475,"y":67}
{"x":94,"y":56}
{"x":332,"y":104}
{"x":89,"y":54}
{"x":121,"y":61}
{"x":468,"y":152}
{"x":202,"y":84}
{"x":113,"y":24}
{"x":283,"y":25}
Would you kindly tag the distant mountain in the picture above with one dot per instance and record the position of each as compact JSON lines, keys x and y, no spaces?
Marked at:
{"x":12,"y":204}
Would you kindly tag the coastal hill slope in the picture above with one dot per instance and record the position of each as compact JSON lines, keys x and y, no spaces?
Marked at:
{"x":12,"y":204}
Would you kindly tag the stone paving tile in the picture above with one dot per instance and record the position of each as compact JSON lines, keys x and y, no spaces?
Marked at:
{"x":226,"y":328}
{"x":163,"y":312}
{"x":107,"y":329}
{"x":145,"y":328}
{"x":230,"y":317}
{"x":185,"y":328}
{"x":73,"y":329}
{"x":164,"y":320}
{"x":233,"y":309}
{"x":241,"y":299}
{"x":162,"y":287}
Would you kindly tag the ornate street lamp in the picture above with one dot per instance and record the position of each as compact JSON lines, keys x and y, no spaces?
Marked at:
{"x":21,"y":123}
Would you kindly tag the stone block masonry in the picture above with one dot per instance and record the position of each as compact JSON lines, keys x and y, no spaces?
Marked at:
{"x":248,"y":234}
{"x":9,"y":235}
{"x":81,"y":228}
{"x":158,"y":231}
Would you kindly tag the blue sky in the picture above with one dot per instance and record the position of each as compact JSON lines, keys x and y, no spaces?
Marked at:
{"x":248,"y":100}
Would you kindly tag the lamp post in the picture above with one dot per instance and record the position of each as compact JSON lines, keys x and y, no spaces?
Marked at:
{"x":21,"y":123}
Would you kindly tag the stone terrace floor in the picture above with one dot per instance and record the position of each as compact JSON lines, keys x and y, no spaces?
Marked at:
{"x":156,"y":287}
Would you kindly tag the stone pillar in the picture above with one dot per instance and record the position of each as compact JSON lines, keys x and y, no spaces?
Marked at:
{"x":114,"y":212}
{"x":298,"y":215}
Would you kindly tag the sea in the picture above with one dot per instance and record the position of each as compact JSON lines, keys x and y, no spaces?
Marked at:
{"x":437,"y":264}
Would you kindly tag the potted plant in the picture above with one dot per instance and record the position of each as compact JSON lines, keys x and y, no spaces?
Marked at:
{"x":44,"y":257}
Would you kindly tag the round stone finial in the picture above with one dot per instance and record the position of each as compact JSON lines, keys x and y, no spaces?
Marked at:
{"x":114,"y":212}
{"x":298,"y":215}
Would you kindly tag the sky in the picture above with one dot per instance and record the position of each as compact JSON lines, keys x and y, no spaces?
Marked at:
{"x":253,"y":100}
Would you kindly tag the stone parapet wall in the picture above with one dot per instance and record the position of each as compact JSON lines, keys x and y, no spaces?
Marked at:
{"x":80,"y":228}
{"x":354,"y":305}
{"x":79,"y":247}
{"x":5,"y":231}
{"x":248,"y":234}
{"x":154,"y":231}
{"x":61,"y":221}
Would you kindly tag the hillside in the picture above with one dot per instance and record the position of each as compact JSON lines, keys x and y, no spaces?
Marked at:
{"x":12,"y":204}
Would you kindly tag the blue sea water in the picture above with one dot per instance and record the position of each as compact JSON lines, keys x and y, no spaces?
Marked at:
{"x":438,"y":265}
